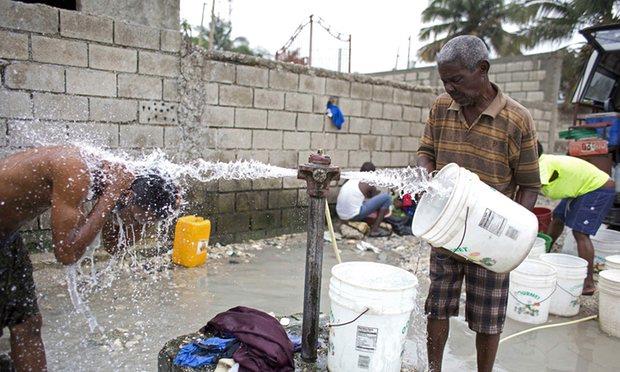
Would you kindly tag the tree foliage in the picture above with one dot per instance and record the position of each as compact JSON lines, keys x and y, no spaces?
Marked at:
{"x":482,"y":18}
{"x":222,"y":40}
{"x":558,"y":20}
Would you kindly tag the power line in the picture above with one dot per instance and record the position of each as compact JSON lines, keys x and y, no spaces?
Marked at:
{"x":292,"y":38}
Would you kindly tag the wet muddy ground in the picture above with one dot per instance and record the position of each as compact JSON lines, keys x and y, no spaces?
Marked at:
{"x":140,"y":314}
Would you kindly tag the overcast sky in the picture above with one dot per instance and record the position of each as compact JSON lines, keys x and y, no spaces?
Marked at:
{"x":379,"y":29}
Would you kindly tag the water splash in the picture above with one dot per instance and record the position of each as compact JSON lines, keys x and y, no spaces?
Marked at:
{"x":80,"y":306}
{"x":200,"y":170}
{"x":406,"y":180}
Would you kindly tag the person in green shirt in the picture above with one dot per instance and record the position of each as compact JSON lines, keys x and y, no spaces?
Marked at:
{"x":587,"y":195}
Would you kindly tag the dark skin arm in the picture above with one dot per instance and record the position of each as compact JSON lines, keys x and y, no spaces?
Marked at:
{"x":427,"y":163}
{"x":527,"y":197}
{"x":72,"y":229}
{"x":368,"y":190}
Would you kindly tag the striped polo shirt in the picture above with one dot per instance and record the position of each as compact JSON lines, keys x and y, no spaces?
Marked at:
{"x":499,"y":146}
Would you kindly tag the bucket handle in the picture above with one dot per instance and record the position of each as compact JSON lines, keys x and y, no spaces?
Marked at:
{"x":351,"y":321}
{"x":464,"y":231}
{"x":567,"y":291}
{"x":541,"y":301}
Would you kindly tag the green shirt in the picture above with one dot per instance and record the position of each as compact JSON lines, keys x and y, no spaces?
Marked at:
{"x":575,"y":177}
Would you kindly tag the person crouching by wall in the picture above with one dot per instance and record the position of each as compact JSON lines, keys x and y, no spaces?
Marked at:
{"x":359,"y":201}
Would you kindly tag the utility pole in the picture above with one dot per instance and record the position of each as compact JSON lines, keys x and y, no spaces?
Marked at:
{"x":310,"y":52}
{"x":339,"y":59}
{"x":397,"y":55}
{"x":349,"y":53}
{"x":409,"y":52}
{"x":212,"y":28}
{"x":202,"y":19}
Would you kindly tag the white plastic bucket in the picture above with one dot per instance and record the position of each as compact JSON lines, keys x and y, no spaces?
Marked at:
{"x":539,"y":248}
{"x":612,"y":262}
{"x":475,"y":221}
{"x":609,"y":302}
{"x":531,"y":286}
{"x":606,"y":243}
{"x":571,"y":272}
{"x":374,"y":341}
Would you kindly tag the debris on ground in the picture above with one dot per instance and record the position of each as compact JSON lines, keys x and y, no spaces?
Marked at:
{"x":359,"y":226}
{"x":349,"y":232}
{"x":365,"y":246}
{"x":328,"y":238}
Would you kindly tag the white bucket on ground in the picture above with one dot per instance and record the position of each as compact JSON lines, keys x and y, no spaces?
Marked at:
{"x":609,"y":302}
{"x":538,"y":248}
{"x":531,"y":286}
{"x":571,"y":272}
{"x":606,"y":243}
{"x":475,"y":221}
{"x":612,"y":262}
{"x":375,"y":340}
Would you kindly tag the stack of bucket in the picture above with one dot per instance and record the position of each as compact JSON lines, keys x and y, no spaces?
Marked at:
{"x":609,"y":301}
{"x":471,"y":219}
{"x":550,"y":285}
{"x":606,"y":243}
{"x":571,"y":272}
{"x":612,"y":262}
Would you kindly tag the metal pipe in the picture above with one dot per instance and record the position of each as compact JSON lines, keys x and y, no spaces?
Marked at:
{"x":318,"y":173}
{"x":310,"y":51}
{"x":312,"y":288}
{"x":349,"y":53}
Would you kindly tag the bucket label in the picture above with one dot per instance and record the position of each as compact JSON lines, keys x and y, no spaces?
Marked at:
{"x":366,"y":338}
{"x":492,"y":222}
{"x":512,"y":233}
{"x":202,"y":246}
{"x":363,"y":361}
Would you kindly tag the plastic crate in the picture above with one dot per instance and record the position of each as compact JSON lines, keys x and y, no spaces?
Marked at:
{"x":591,"y":146}
{"x":611,"y":133}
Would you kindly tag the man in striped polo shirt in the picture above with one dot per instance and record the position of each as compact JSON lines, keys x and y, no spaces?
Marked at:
{"x":478,"y":127}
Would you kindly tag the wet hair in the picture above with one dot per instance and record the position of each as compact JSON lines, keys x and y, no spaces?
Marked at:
{"x":467,"y":50}
{"x":367,"y":167}
{"x":153,"y":193}
{"x":540,"y":148}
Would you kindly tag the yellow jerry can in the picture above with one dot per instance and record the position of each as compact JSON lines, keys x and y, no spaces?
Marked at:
{"x":191,"y":239}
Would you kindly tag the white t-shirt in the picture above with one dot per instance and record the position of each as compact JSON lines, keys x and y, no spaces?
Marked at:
{"x":350,"y":200}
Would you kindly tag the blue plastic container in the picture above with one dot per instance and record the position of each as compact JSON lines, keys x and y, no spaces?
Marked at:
{"x":612,"y":133}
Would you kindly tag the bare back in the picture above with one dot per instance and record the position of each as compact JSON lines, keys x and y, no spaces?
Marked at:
{"x":31,"y":179}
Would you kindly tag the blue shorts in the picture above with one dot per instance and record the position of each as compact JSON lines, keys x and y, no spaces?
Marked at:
{"x":586,"y":212}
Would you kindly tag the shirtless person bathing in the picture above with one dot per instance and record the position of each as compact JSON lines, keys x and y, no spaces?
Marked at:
{"x":60,"y":178}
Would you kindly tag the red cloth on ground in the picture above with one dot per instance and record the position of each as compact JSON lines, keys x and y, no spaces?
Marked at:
{"x":264,"y":346}
{"x":407,"y":201}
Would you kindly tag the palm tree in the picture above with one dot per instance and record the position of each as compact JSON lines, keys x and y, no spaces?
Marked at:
{"x":482,"y":18}
{"x":558,"y":20}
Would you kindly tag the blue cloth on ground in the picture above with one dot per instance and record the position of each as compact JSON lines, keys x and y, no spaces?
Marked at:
{"x":336,"y":115}
{"x":296,"y":341}
{"x":202,"y":352}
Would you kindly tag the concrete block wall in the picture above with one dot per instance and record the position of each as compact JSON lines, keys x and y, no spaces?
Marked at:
{"x":68,"y":75}
{"x":238,"y":107}
{"x":533,"y":80}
